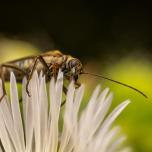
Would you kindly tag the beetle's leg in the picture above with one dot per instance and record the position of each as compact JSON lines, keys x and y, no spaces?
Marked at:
{"x":54,"y":68}
{"x":43,"y":62}
{"x":40,"y":58}
{"x":75,"y":78}
{"x":65,"y":90}
{"x":7,"y":65}
{"x":3,"y":86}
{"x":77,"y":84}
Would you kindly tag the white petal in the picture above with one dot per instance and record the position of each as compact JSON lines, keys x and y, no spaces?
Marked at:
{"x":34,"y":89}
{"x":86,"y":116}
{"x":43,"y":112}
{"x":55,"y":103}
{"x":4,"y":134}
{"x":18,"y":125}
{"x":114,"y":114}
{"x":126,"y":149}
{"x":109,"y":138}
{"x":68,"y":125}
{"x":109,"y":120}
{"x":27,"y":116}
{"x":92,"y":132}
{"x":116,"y":144}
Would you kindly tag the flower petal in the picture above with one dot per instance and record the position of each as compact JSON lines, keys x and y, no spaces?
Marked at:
{"x":87,"y":132}
{"x":27,"y":117}
{"x":16,"y":113}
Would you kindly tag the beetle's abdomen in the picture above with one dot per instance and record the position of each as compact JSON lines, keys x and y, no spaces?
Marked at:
{"x":27,"y":65}
{"x":24,"y":65}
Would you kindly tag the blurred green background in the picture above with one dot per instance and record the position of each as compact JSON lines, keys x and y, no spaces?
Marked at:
{"x":110,"y":38}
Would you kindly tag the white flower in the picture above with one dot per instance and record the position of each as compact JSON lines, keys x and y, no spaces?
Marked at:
{"x":34,"y":125}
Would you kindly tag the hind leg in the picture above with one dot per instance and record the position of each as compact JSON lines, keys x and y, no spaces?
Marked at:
{"x":11,"y":66}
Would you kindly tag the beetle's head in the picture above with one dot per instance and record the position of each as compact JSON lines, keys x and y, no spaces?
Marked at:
{"x":73,"y":67}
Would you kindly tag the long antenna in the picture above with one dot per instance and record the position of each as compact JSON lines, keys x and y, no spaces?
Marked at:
{"x":96,"y":75}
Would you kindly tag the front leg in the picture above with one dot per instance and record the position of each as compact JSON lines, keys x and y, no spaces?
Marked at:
{"x":65,"y":90}
{"x":77,"y":84}
{"x":75,"y":79}
{"x":40,"y":58}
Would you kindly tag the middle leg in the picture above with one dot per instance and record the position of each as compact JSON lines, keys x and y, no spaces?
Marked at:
{"x":40,"y":58}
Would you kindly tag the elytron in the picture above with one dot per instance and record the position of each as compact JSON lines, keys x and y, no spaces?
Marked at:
{"x":49,"y":62}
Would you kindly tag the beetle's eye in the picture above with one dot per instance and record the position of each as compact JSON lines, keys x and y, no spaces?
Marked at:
{"x":72,"y":63}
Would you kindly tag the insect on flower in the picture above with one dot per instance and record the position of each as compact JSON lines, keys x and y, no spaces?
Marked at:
{"x":50,"y":63}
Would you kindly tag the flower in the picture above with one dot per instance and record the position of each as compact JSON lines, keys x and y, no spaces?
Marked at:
{"x":33,"y":126}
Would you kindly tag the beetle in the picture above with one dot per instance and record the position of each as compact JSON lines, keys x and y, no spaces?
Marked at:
{"x":49,"y":62}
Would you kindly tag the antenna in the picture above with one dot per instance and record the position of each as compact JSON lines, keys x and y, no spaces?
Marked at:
{"x":103,"y":77}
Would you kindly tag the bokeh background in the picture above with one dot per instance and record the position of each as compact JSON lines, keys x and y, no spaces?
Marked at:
{"x":111,"y":38}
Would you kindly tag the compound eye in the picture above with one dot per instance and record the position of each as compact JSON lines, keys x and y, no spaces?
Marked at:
{"x":72,"y":63}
